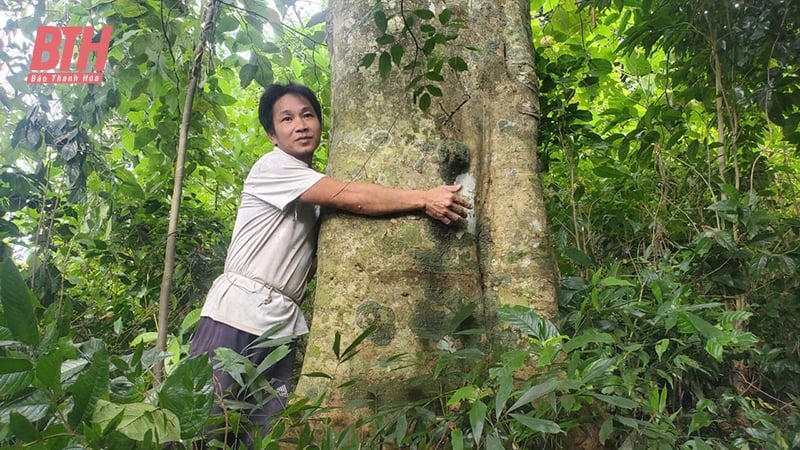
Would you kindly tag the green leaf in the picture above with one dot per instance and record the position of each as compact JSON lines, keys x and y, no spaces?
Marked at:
{"x":129,"y":9}
{"x":434,"y":90}
{"x":724,"y":239}
{"x":661,"y":347}
{"x":637,"y":65}
{"x":703,"y":245}
{"x":147,"y":336}
{"x":14,"y":365}
{"x":541,"y":425}
{"x":273,"y":16}
{"x":578,"y":257}
{"x":493,"y":441}
{"x":424,"y":14}
{"x":34,"y":407}
{"x":457,"y":439}
{"x":144,"y":137}
{"x":22,"y":428}
{"x":714,"y":348}
{"x":537,"y":391}
{"x":609,"y":172}
{"x":427,"y":29}
{"x":246,"y":75}
{"x":397,"y":54}
{"x":347,"y":383}
{"x":189,"y":393}
{"x":444,"y":16}
{"x":17,"y":303}
{"x":190,"y":320}
{"x":590,"y":336}
{"x":462,"y":315}
{"x":317,"y":18}
{"x":597,"y":369}
{"x":575,"y":283}
{"x":615,"y":400}
{"x":425,"y":102}
{"x":700,"y":420}
{"x":385,"y":39}
{"x":380,"y":21}
{"x":367,"y":60}
{"x":139,"y":421}
{"x":613,"y":281}
{"x":428,"y":46}
{"x":318,"y":375}
{"x":723,"y":206}
{"x":601,"y":66}
{"x":401,"y":426}
{"x":352,"y":349}
{"x":272,"y":358}
{"x":504,"y":389}
{"x":385,"y":64}
{"x":606,"y":430}
{"x":707,"y":330}
{"x":16,"y":375}
{"x":464,"y":393}
{"x":434,"y":76}
{"x":263,"y":74}
{"x":226,"y":24}
{"x":233,"y":363}
{"x":527,"y":321}
{"x":89,"y":387}
{"x":337,"y":342}
{"x":221,"y":99}
{"x":477,"y":418}
{"x":457,"y":63}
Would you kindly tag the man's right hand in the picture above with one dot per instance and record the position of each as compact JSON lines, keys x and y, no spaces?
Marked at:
{"x":443,"y":204}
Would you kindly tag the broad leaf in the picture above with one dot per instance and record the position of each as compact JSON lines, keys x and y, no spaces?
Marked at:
{"x":477,"y":419}
{"x":528,"y":321}
{"x":22,"y":428}
{"x":537,"y":391}
{"x":352,"y":349}
{"x":578,"y":257}
{"x":615,"y":400}
{"x":540,"y":425}
{"x":89,"y":387}
{"x":17,"y":303}
{"x":139,"y":420}
{"x":381,"y":21}
{"x":16,"y":374}
{"x":189,"y":393}
{"x":317,"y":18}
{"x":34,"y":407}
{"x":385,"y":64}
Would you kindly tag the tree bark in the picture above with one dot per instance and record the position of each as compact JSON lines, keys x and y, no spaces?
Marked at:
{"x":409,"y":276}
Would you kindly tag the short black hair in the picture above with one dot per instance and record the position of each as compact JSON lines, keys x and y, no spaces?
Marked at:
{"x":274,"y":92}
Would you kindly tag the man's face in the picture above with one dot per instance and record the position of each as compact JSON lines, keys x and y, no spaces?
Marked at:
{"x":297,"y":127}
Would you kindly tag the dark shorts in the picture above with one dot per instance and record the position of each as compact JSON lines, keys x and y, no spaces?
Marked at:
{"x":211,"y":335}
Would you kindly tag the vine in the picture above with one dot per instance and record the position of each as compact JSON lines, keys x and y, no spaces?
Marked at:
{"x":426,"y":31}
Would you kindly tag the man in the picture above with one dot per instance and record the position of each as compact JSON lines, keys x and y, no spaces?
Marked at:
{"x":272,"y":250}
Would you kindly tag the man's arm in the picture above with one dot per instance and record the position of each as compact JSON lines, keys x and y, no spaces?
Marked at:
{"x":441,"y":203}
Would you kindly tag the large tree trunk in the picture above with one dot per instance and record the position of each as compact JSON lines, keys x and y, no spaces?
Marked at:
{"x":409,"y":276}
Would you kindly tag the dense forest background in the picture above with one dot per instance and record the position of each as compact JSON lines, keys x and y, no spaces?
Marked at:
{"x":668,"y":145}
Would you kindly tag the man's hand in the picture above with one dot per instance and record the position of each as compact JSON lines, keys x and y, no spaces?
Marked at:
{"x":443,"y":204}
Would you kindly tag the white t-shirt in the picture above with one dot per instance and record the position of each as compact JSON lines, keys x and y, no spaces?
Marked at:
{"x":271,"y":251}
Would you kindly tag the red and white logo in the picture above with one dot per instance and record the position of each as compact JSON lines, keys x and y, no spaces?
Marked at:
{"x":52,"y":62}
